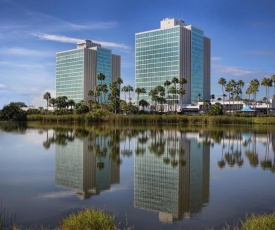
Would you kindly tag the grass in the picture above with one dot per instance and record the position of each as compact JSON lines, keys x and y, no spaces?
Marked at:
{"x":88,"y":219}
{"x":256,"y":222}
{"x":105,"y":116}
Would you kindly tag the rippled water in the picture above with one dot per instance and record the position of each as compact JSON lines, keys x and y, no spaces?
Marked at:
{"x":150,"y":177}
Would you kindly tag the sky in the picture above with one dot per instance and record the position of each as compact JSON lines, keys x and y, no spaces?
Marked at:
{"x":242,"y":34}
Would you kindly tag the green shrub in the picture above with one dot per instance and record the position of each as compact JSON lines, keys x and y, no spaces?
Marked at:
{"x":97,"y":115}
{"x":88,"y":219}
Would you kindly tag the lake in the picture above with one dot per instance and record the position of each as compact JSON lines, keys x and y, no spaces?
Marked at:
{"x":163,"y":177}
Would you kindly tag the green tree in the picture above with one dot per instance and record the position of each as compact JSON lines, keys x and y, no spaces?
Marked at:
{"x":222,"y":82}
{"x":52,"y":101}
{"x":254,"y":85}
{"x":125,"y":90}
{"x":182,"y":82}
{"x":119,"y":81}
{"x":129,"y":90}
{"x":13,"y":112}
{"x":153,"y":94}
{"x":175,"y":81}
{"x":47,"y":97}
{"x":173,"y":91}
{"x":104,"y":90}
{"x":241,"y":84}
{"x":143,"y":103}
{"x":273,"y":79}
{"x":167,"y":84}
{"x":138,"y":91}
{"x":160,"y":95}
{"x":216,"y":109}
{"x":101,"y":77}
{"x":71,"y":103}
{"x":113,"y":97}
{"x":61,"y":102}
{"x":230,"y":87}
{"x":267,"y":82}
{"x":181,"y":91}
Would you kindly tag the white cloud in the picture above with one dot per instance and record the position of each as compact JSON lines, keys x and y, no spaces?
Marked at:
{"x":231,"y":71}
{"x":27,"y":52}
{"x":94,"y":25}
{"x":38,"y":100}
{"x":56,"y":195}
{"x":260,"y":52}
{"x":60,"y":38}
{"x":2,"y":86}
{"x":113,"y":45}
{"x":216,"y":59}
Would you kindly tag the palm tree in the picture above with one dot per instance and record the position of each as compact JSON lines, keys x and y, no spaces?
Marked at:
{"x":248,"y":91}
{"x":71,"y":103}
{"x":101,"y":77}
{"x":119,"y":81}
{"x":153,"y":94}
{"x":125,"y":90}
{"x":241,"y":84}
{"x":273,"y":79}
{"x":91,"y":93}
{"x":230,"y":86}
{"x":47,"y":97}
{"x":97,"y":93}
{"x":104,"y":90}
{"x":52,"y":101}
{"x":222,"y":82}
{"x":139,"y":91}
{"x":173,"y":91}
{"x":143,"y":103}
{"x":213,"y":97}
{"x":175,"y":81}
{"x":130,"y":89}
{"x":182,"y":82}
{"x":167,"y":84}
{"x":181,"y":91}
{"x":254,"y":84}
{"x":267,"y":82}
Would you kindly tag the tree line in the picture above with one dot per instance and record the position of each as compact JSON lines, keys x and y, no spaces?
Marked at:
{"x":235,"y":89}
{"x":97,"y":97}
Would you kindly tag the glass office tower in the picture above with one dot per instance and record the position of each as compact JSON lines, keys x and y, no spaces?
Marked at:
{"x":175,"y":50}
{"x":77,"y":70}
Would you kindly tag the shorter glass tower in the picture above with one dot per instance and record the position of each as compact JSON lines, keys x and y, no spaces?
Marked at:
{"x":77,"y":70}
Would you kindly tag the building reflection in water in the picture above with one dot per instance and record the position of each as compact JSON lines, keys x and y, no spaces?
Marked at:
{"x":171,"y":174}
{"x":86,"y":166}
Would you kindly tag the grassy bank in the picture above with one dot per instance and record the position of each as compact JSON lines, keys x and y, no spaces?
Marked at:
{"x":256,"y":222}
{"x":85,"y":219}
{"x":104,"y":116}
{"x":98,"y":220}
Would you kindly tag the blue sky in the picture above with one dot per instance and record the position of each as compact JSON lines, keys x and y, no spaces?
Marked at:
{"x":242,"y":34}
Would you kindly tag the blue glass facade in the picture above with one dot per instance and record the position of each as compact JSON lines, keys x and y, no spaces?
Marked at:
{"x":157,"y":59}
{"x":69,"y":74}
{"x":175,"y":50}
{"x":197,"y":59}
{"x":104,"y":65}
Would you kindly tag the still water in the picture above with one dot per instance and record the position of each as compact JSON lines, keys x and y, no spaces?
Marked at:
{"x":150,"y":178}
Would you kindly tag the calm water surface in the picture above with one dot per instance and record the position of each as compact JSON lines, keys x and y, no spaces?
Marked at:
{"x":151,"y":178}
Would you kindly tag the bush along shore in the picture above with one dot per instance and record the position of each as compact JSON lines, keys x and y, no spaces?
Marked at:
{"x":101,"y":115}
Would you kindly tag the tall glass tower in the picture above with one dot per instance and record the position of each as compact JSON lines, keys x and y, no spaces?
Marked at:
{"x":175,"y":50}
{"x":77,"y":70}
